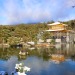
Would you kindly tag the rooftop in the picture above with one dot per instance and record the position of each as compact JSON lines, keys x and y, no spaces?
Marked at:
{"x":55,"y":30}
{"x":56,"y":23}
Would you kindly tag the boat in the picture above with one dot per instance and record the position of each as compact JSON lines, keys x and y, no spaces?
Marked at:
{"x":3,"y":73}
{"x":20,"y":69}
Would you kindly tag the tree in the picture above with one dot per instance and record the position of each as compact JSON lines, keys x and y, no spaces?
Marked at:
{"x":46,"y":35}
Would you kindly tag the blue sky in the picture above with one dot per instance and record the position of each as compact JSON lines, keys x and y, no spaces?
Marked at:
{"x":31,"y":11}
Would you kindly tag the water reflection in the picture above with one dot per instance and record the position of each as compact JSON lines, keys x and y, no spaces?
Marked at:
{"x":39,"y":60}
{"x":67,"y":49}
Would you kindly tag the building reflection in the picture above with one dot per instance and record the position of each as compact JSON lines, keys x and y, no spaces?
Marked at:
{"x":68,"y":50}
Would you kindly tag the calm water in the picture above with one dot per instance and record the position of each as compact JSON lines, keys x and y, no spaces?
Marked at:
{"x":39,"y":60}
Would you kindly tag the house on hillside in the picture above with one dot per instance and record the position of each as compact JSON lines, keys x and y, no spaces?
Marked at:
{"x":59,"y":33}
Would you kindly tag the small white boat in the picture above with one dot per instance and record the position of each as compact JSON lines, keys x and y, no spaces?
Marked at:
{"x":3,"y":73}
{"x":20,"y":69}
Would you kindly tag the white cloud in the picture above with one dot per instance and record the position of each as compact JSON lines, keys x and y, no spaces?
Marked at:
{"x":24,"y":11}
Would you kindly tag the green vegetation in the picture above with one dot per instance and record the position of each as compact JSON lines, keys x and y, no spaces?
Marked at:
{"x":22,"y":32}
{"x":46,"y":35}
{"x":26,"y":32}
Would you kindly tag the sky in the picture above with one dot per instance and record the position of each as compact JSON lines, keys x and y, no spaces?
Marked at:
{"x":34,"y":11}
